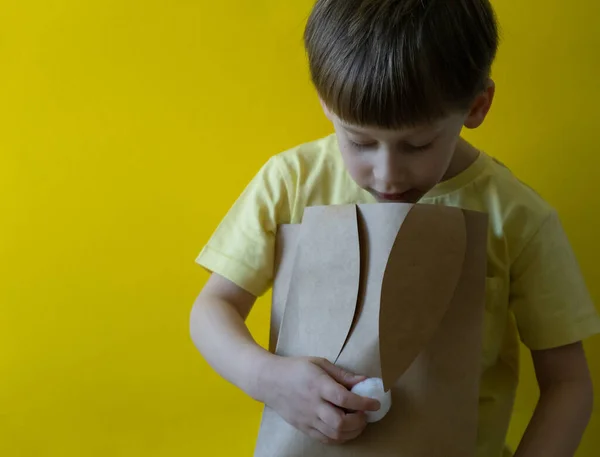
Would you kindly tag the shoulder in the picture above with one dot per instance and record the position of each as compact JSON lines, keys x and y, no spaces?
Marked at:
{"x":516,"y":211}
{"x":287,"y":173}
{"x":315,"y":174}
{"x":516,"y":202}
{"x":311,"y":158}
{"x":518,"y":198}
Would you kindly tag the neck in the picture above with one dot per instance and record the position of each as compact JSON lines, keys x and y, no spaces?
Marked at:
{"x":464,"y":156}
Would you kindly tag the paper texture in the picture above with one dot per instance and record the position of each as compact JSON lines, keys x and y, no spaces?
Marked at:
{"x":394,"y":291}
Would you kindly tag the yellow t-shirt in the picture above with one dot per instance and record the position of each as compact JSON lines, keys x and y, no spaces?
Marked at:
{"x":534,"y":287}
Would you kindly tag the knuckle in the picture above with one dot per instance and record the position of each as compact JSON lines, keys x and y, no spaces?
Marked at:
{"x":325,"y":389}
{"x":337,"y":423}
{"x":341,"y":398}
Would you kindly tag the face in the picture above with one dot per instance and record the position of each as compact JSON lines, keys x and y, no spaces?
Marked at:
{"x":403,"y":165}
{"x":399,"y":165}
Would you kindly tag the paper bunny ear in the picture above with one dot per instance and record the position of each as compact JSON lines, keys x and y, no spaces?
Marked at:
{"x":323,"y":290}
{"x":420,"y":278}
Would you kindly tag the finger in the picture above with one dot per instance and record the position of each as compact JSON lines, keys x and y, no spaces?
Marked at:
{"x":354,"y":421}
{"x":330,"y":415}
{"x":339,"y":396}
{"x":318,"y":436}
{"x":343,"y":377}
{"x":336,"y":436}
{"x":338,"y":420}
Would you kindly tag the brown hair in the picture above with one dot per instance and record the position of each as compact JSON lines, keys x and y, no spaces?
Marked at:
{"x":393,"y":63}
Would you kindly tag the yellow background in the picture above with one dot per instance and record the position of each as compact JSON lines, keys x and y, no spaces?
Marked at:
{"x":128,"y":127}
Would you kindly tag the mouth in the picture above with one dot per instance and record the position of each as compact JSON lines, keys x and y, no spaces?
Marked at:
{"x":409,"y":196}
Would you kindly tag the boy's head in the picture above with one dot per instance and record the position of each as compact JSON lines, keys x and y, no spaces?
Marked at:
{"x":399,"y":79}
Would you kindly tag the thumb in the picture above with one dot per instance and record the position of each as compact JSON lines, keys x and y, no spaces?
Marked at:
{"x":343,"y":377}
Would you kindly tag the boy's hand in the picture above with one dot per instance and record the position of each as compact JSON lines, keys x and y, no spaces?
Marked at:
{"x":313,"y":395}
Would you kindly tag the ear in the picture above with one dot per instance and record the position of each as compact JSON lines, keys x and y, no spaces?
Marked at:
{"x":326,"y":110}
{"x":481,"y":106}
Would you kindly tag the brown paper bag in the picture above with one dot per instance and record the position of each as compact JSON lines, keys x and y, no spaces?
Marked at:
{"x":394,"y":291}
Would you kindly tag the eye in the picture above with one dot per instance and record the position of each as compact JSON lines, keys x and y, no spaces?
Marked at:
{"x":414,"y":148}
{"x":361,"y":145}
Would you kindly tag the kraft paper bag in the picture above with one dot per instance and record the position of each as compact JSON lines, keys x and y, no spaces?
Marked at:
{"x":393,"y":291}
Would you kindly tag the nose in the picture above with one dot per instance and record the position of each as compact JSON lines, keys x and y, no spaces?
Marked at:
{"x":389,"y":171}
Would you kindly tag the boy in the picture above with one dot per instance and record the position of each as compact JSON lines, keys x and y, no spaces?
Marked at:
{"x":399,"y":79}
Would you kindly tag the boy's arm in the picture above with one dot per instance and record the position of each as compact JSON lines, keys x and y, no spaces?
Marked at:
{"x":311,"y":394}
{"x":219,"y":332}
{"x":565,"y":405}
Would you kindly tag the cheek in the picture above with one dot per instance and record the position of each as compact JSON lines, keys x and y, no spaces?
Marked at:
{"x":359,"y":169}
{"x":432,"y":168}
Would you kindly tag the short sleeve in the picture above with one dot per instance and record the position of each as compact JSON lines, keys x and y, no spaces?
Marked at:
{"x":549,"y":298}
{"x":242,"y":247}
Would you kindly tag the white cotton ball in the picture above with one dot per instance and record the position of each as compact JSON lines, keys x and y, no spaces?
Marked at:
{"x":373,"y":388}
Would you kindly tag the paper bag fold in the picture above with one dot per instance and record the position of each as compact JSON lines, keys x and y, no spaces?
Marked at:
{"x":423,"y":269}
{"x":322,"y":296}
